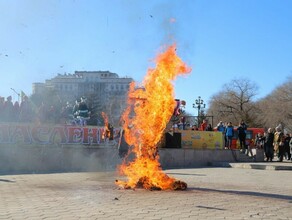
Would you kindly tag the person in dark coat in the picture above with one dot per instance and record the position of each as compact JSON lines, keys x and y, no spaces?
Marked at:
{"x":8,"y":109}
{"x":268,"y":146}
{"x":259,"y":141}
{"x":209,"y":128}
{"x":287,"y":147}
{"x":242,"y":136}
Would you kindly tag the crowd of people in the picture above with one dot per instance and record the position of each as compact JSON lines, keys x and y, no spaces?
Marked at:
{"x":274,"y":142}
{"x":27,"y":112}
{"x":15,"y":112}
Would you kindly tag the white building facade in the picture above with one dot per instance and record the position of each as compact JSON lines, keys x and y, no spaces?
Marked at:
{"x":106,"y":90}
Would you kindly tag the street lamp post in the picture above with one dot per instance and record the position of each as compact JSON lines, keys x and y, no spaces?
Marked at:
{"x":18,"y":95}
{"x":199,"y":104}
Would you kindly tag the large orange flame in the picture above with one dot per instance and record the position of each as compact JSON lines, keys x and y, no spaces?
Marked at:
{"x":150,"y":107}
{"x":105,"y":134}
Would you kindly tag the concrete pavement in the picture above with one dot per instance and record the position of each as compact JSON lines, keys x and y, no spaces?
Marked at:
{"x":213,"y":193}
{"x":285,"y":165}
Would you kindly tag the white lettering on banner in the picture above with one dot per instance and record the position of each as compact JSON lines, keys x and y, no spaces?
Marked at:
{"x":34,"y":134}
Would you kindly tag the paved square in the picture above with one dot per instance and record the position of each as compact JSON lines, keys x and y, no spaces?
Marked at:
{"x":213,"y":193}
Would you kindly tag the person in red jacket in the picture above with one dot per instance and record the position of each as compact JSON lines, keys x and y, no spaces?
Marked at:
{"x":204,"y":125}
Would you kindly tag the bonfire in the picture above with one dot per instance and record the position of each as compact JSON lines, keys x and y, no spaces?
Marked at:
{"x":150,"y":107}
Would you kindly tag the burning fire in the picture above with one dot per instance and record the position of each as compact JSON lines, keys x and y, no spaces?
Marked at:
{"x":150,"y":107}
{"x":106,"y":132}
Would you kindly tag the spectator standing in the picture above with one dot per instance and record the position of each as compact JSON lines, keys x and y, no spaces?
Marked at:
{"x":209,"y":128}
{"x":278,"y":146}
{"x":287,"y":140}
{"x":290,"y":145}
{"x":260,"y":141}
{"x":224,"y":133}
{"x":2,"y":108}
{"x":268,"y":146}
{"x":203,"y":126}
{"x":229,"y":133}
{"x":242,"y":136}
{"x":8,"y":109}
{"x":281,"y":152}
{"x":26,"y":113}
{"x":221,"y":128}
{"x":243,"y":124}
{"x":16,"y":111}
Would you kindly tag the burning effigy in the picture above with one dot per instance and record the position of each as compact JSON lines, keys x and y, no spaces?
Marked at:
{"x":108,"y":129}
{"x":149,"y":109}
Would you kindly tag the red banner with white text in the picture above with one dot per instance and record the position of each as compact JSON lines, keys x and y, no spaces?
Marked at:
{"x":30,"y":134}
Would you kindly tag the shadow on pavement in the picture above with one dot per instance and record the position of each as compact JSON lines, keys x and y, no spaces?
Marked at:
{"x":7,"y":181}
{"x":185,"y":174}
{"x":245,"y":193}
{"x":209,"y":207}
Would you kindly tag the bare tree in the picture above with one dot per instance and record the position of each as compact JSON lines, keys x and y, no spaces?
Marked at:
{"x":234,"y":102}
{"x":276,"y":108}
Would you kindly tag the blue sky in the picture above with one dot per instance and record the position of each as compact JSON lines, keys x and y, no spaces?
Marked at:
{"x":220,"y":40}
